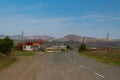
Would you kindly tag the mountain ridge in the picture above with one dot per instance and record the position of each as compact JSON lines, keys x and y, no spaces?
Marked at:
{"x":70,"y":37}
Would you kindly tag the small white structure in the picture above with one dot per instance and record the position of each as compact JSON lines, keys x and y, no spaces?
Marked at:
{"x":52,"y":49}
{"x":63,"y":47}
{"x":32,"y":46}
{"x":93,"y":48}
{"x":56,"y":48}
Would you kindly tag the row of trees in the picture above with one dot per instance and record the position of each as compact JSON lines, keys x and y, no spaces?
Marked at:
{"x":6,"y":45}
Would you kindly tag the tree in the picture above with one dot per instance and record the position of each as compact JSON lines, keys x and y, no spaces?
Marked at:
{"x":6,"y":45}
{"x":69,"y":47}
{"x":82,"y":48}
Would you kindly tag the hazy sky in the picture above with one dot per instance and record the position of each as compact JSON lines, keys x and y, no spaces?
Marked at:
{"x":57,"y":18}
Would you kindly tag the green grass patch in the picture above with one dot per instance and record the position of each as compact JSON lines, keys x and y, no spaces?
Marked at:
{"x":104,"y":56}
{"x":6,"y":60}
{"x":23,"y":53}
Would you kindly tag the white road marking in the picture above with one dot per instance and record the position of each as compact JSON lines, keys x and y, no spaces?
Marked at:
{"x":99,"y":75}
{"x":82,"y":66}
{"x":68,"y":58}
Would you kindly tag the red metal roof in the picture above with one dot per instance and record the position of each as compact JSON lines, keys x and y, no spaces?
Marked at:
{"x":19,"y":46}
{"x":32,"y":43}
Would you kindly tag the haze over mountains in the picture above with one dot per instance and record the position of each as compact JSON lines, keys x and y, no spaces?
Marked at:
{"x":71,"y":40}
{"x":78,"y":38}
{"x":70,"y":37}
{"x":44,"y":37}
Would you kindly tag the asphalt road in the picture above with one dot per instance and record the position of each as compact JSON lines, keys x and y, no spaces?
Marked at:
{"x":59,"y":66}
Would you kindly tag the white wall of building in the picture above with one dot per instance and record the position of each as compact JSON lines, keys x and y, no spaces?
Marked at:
{"x":28,"y":47}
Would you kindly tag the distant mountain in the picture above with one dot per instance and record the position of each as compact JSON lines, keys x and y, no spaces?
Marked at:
{"x":77,"y":38}
{"x":2,"y":36}
{"x":16,"y":37}
{"x":71,"y":37}
{"x":19,"y":37}
{"x":75,"y":41}
{"x":47,"y":38}
{"x":12,"y":37}
{"x":72,"y":40}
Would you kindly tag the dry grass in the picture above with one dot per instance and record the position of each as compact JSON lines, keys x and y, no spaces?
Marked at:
{"x":23,"y":53}
{"x":109,"y":57}
{"x":6,"y":60}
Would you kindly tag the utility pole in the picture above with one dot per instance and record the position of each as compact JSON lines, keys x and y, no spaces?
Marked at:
{"x":22,"y":38}
{"x":83,"y":40}
{"x":108,"y":37}
{"x":107,"y":47}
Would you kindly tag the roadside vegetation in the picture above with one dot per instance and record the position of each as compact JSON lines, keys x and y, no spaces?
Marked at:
{"x":6,"y":60}
{"x":8,"y":53}
{"x":6,"y":45}
{"x":82,"y":48}
{"x":23,"y":53}
{"x":109,"y":57}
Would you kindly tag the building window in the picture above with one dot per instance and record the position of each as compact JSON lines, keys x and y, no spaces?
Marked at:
{"x":24,"y":47}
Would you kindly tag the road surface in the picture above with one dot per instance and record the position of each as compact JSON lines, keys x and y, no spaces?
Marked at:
{"x":59,"y":66}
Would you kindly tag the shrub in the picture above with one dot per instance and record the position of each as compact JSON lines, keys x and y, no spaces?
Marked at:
{"x":82,"y":48}
{"x":6,"y":45}
{"x":69,"y":47}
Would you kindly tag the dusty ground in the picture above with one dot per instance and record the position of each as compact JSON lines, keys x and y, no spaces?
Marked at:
{"x":59,"y":66}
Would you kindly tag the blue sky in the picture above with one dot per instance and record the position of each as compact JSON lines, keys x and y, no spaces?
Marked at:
{"x":58,"y":18}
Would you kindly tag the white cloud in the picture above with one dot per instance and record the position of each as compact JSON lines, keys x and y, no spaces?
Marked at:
{"x":26,"y":21}
{"x":118,"y":14}
{"x":98,"y":17}
{"x":90,"y":16}
{"x":93,"y":16}
{"x":54,"y":26}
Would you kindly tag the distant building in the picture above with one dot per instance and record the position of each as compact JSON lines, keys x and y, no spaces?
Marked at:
{"x":30,"y":46}
{"x":63,"y":47}
{"x":52,"y":49}
{"x":55,"y":48}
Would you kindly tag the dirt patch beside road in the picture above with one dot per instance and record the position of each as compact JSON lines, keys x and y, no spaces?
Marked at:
{"x":23,"y":66}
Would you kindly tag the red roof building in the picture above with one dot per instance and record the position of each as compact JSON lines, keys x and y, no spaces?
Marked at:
{"x":30,"y":46}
